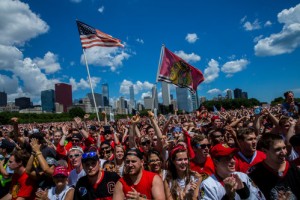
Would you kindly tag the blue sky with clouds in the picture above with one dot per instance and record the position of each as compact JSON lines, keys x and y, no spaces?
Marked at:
{"x":251,"y":44}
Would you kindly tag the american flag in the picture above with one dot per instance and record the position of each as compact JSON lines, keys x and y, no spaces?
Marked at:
{"x":91,"y":37}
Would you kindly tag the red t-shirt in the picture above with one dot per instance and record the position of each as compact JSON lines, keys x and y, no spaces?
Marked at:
{"x":242,"y":164}
{"x":144,"y":187}
{"x":22,"y":186}
{"x":208,"y":167}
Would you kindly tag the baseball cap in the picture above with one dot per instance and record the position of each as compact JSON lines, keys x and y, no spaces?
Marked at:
{"x":93,"y":128}
{"x":77,"y":135}
{"x":76,"y":148}
{"x":60,"y":171}
{"x":135,"y":152}
{"x":6,"y":144}
{"x":51,"y":161}
{"x":220,"y":150}
{"x":214,"y":118}
{"x":92,"y":155}
{"x":295,"y":140}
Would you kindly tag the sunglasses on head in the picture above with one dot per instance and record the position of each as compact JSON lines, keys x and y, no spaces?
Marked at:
{"x":203,"y":146}
{"x":89,"y":155}
{"x":74,"y":155}
{"x":145,"y":143}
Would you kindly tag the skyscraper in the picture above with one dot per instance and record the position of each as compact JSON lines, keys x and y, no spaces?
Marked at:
{"x":194,"y":98}
{"x":244,"y":95}
{"x":131,"y":94}
{"x":105,"y":94}
{"x":23,"y":102}
{"x":229,"y":94}
{"x":182,"y":99}
{"x":3,"y":99}
{"x":63,"y":95}
{"x":155,"y":97}
{"x":237,"y":93}
{"x":98,"y":99}
{"x":165,"y":89}
{"x":48,"y":100}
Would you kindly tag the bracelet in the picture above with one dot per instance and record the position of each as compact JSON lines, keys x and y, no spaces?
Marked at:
{"x":33,"y":153}
{"x":39,"y":153}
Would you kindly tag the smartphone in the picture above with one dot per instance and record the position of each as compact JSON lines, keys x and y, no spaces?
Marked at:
{"x":257,"y":111}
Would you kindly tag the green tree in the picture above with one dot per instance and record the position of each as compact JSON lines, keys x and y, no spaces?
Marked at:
{"x":278,"y":100}
{"x":76,"y":112}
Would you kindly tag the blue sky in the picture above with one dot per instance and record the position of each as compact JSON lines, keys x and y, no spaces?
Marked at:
{"x":251,"y":44}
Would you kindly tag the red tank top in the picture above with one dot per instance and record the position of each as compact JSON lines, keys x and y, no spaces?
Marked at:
{"x":143,"y":187}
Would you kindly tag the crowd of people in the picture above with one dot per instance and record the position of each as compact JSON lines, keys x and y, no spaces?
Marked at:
{"x":245,"y":153}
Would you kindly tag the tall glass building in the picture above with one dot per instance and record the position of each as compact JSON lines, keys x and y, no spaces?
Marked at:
{"x":48,"y":100}
{"x":105,"y":94}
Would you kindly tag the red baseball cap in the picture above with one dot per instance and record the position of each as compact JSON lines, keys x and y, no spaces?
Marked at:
{"x":60,"y":170}
{"x":220,"y":150}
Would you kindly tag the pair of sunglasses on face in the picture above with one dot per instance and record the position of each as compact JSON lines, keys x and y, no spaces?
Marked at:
{"x":203,"y":146}
{"x":146,"y":143}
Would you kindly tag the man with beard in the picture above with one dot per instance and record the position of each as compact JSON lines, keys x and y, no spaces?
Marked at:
{"x":226,"y":183}
{"x":275,"y":176}
{"x":97,"y":184}
{"x":138,"y":183}
{"x":247,"y":155}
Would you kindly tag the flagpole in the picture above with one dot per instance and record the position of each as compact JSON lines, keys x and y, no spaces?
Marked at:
{"x":159,"y":62}
{"x":88,"y":71}
{"x":158,"y":70}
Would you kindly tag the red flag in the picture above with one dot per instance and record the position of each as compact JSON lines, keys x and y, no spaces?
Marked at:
{"x":91,"y":37}
{"x":175,"y":70}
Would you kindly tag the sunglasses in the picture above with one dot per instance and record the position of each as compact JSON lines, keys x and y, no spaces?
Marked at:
{"x":89,"y":155}
{"x":74,"y":140}
{"x":74,"y":156}
{"x":105,"y":148}
{"x":203,"y":146}
{"x":154,"y":161}
{"x":145,"y":143}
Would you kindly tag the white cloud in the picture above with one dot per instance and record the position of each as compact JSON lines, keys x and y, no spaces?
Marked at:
{"x":248,"y":26}
{"x":84,"y":84}
{"x":146,"y":94}
{"x":9,"y":55}
{"x":225,"y":91}
{"x":232,"y":67}
{"x":287,"y":40}
{"x":214,"y":91}
{"x":138,"y":86}
{"x":18,"y":23}
{"x":268,"y":23}
{"x":191,"y":37}
{"x":243,"y":19}
{"x":9,"y":85}
{"x":111,"y":57}
{"x":212,"y":71}
{"x":140,"y":40}
{"x":48,"y":63}
{"x":101,"y":9}
{"x":188,"y":57}
{"x":256,"y":39}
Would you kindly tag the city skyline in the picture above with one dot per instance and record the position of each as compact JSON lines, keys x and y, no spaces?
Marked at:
{"x":255,"y":48}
